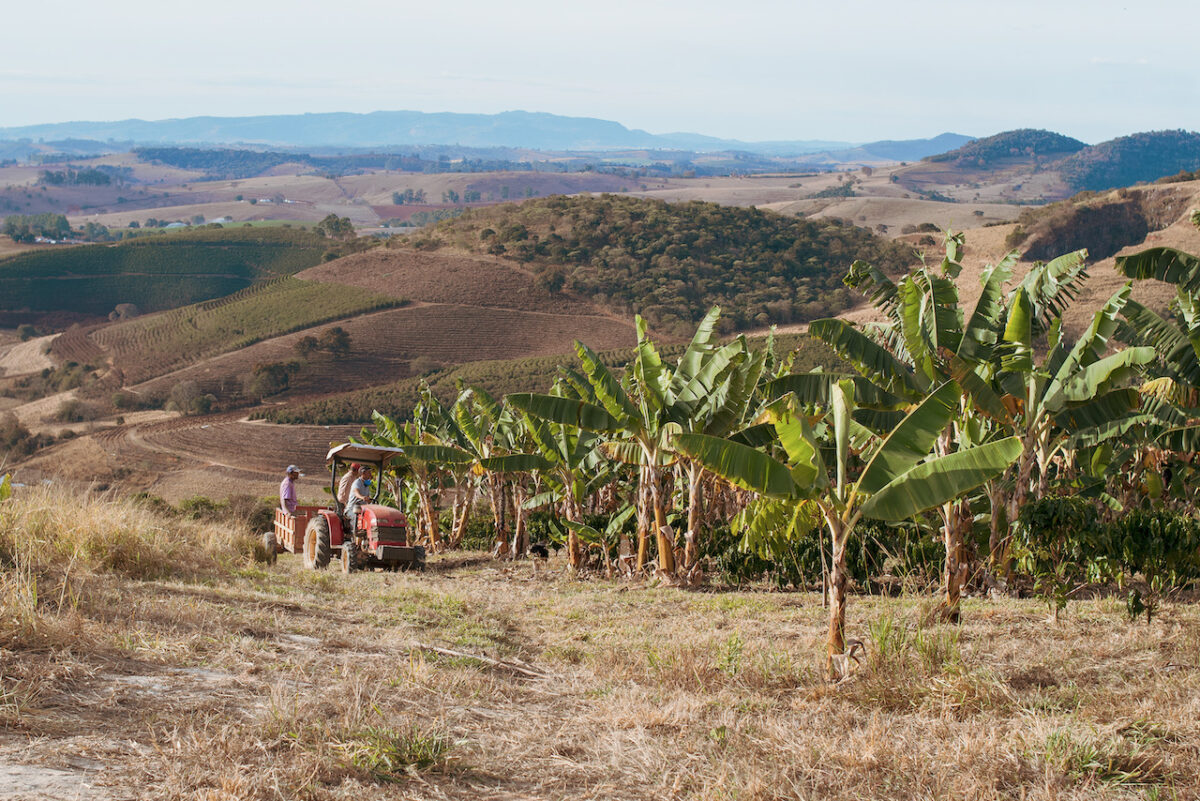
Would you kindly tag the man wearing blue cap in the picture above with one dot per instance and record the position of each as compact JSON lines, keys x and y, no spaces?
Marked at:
{"x":287,"y":490}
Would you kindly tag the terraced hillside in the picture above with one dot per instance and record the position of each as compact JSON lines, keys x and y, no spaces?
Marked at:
{"x":394,"y":344}
{"x":500,"y":377}
{"x":150,"y":346}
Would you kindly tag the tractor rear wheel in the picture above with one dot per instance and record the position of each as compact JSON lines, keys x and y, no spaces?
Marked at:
{"x":317,"y":549}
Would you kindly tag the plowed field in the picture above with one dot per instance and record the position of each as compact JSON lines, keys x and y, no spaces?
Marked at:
{"x":384,"y":345}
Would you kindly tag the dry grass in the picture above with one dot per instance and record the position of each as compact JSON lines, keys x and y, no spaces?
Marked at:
{"x":218,"y":679}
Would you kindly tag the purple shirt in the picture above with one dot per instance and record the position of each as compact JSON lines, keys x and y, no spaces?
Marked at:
{"x":287,"y":495}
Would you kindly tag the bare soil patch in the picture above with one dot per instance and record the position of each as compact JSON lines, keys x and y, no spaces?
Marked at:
{"x":22,"y":358}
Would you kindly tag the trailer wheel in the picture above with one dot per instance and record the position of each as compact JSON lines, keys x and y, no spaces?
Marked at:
{"x":270,"y":547}
{"x":317,"y":550}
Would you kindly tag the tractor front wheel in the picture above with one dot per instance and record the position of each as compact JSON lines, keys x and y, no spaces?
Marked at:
{"x":317,"y":549}
{"x":349,"y":556}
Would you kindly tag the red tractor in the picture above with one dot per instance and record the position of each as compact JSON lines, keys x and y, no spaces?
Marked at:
{"x":376,"y":537}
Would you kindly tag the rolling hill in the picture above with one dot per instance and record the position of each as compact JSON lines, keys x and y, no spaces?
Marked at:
{"x":671,"y":261}
{"x":510,"y":129}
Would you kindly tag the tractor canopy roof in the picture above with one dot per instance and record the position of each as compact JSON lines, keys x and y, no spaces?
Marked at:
{"x":369,"y":454}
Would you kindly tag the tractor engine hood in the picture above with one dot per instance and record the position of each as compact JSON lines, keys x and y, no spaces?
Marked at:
{"x":374,"y":514}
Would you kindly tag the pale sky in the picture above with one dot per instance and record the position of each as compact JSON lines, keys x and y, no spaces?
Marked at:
{"x":855,"y":70}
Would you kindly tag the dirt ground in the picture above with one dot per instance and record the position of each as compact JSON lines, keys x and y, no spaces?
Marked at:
{"x":21,"y":358}
{"x":285,"y":683}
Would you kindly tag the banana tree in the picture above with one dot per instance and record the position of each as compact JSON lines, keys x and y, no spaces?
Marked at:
{"x":495,"y":437}
{"x":900,"y":476}
{"x":1176,"y":340}
{"x":567,"y":452}
{"x":429,"y":461}
{"x":708,"y":388}
{"x":1075,"y":389}
{"x":923,"y":342}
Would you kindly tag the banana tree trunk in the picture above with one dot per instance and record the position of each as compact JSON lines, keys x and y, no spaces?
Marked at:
{"x":575,"y":515}
{"x":691,"y":554}
{"x":498,"y":496}
{"x":643,"y":521}
{"x":957,"y":521}
{"x":666,"y":548}
{"x":836,"y":640}
{"x":997,"y":531}
{"x":432,"y":524}
{"x":520,"y":541}
{"x":1022,"y":487}
{"x":464,"y":505}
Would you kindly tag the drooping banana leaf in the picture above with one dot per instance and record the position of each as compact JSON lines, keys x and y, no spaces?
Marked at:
{"x":814,"y":388}
{"x":566,"y":411}
{"x":934,"y":482}
{"x":516,"y":463}
{"x":868,"y":357}
{"x":607,"y":388}
{"x":438,"y":454}
{"x":744,"y":466}
{"x":1163,"y":264}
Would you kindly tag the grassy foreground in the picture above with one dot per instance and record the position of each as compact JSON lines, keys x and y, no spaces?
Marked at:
{"x":153,"y":657}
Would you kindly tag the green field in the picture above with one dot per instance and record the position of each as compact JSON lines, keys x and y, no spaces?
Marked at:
{"x":154,"y":273}
{"x":267,"y":309}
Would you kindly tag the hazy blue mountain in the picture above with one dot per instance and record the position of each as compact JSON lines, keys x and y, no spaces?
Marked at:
{"x":518,"y":129}
{"x":915,"y":149}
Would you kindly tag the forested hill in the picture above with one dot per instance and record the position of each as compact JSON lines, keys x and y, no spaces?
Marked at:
{"x":1129,"y":159}
{"x":1124,"y":161}
{"x":672,"y":261}
{"x":1024,"y":143}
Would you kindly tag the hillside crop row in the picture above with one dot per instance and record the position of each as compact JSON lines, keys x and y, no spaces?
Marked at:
{"x":154,"y":274}
{"x":155,"y":344}
{"x":497,"y":377}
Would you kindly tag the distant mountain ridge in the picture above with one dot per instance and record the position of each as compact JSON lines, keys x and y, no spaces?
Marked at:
{"x":519,"y":129}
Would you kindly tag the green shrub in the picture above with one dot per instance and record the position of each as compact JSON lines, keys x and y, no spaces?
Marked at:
{"x":1059,"y":542}
{"x":1163,"y":547}
{"x":875,"y":550}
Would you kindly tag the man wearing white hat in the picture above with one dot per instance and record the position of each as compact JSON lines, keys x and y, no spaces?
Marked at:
{"x":287,"y":490}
